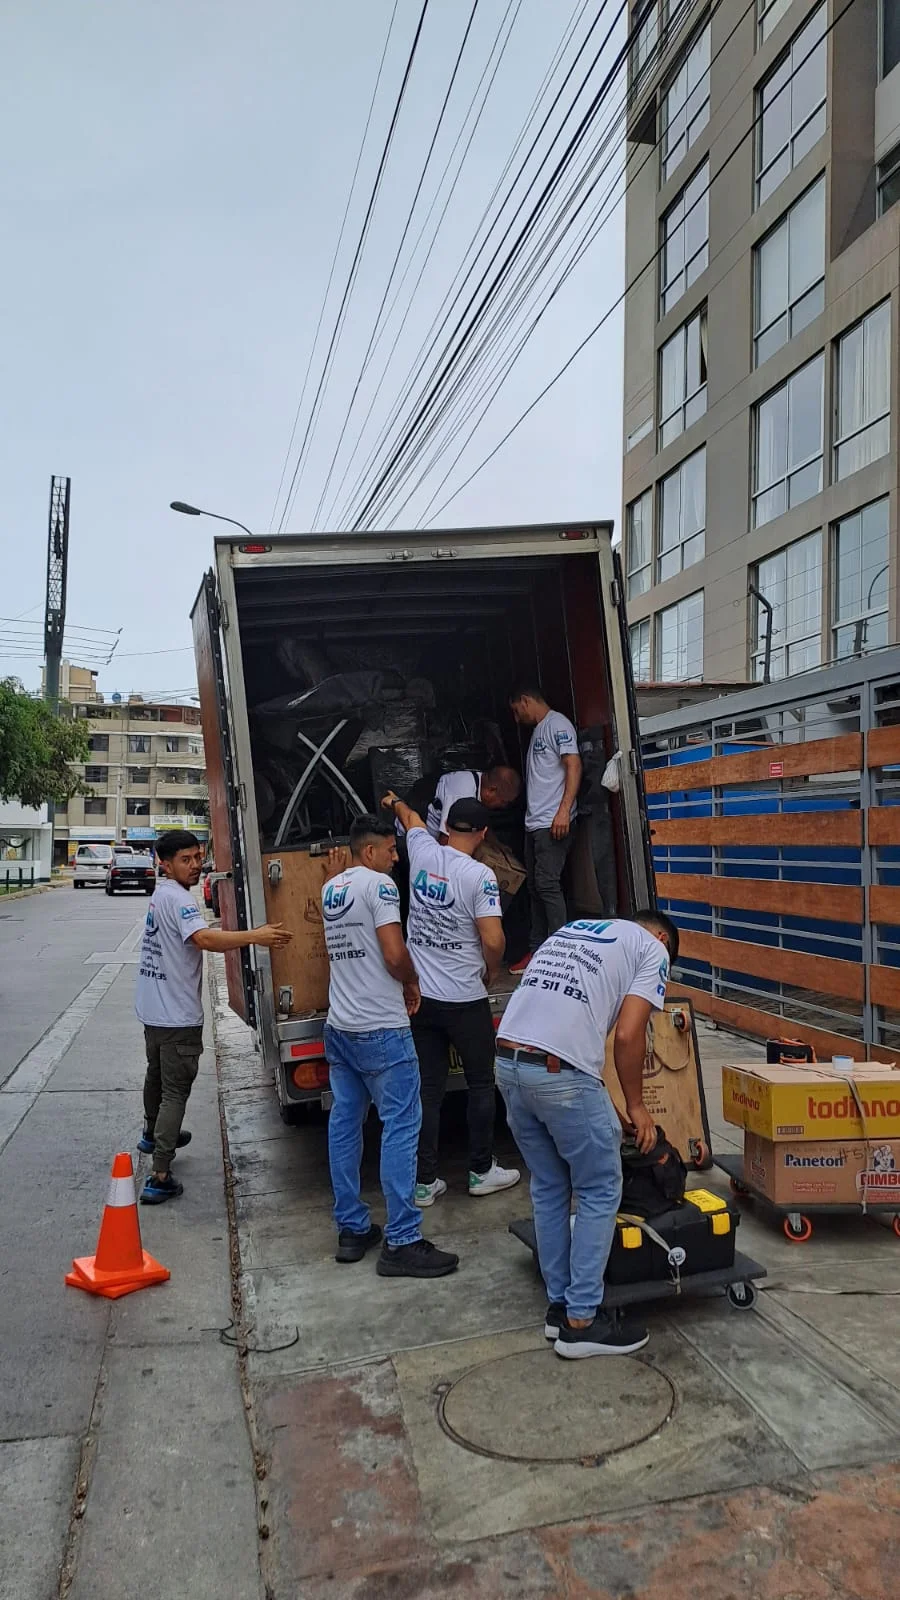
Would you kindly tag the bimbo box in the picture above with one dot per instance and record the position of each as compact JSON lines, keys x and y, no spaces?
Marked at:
{"x":836,"y":1172}
{"x":813,"y":1102}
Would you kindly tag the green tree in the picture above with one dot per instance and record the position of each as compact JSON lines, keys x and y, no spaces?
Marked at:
{"x":37,"y":749}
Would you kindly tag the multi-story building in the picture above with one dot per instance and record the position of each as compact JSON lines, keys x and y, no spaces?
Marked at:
{"x":762,"y":335}
{"x":146,"y":768}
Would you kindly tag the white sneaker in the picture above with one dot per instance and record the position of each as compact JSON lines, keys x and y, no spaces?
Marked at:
{"x":492,"y":1182}
{"x":427,"y":1193}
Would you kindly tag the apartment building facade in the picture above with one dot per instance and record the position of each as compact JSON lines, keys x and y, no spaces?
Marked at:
{"x":762,"y":336}
{"x":146,"y":769}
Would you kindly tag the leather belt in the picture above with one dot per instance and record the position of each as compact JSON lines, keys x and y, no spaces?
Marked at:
{"x":507,"y":1051}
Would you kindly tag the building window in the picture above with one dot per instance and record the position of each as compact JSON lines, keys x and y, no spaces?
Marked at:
{"x":99,"y":743}
{"x":860,"y":572}
{"x":788,"y":443}
{"x":172,"y":808}
{"x":639,"y":642}
{"x":195,"y":747}
{"x":684,"y":246}
{"x":889,"y":181}
{"x":791,"y":581}
{"x":139,"y":774}
{"x":679,"y":641}
{"x":645,"y":38}
{"x":889,"y":15}
{"x":685,"y":104}
{"x":769,"y":14}
{"x":682,"y":516}
{"x":95,"y":808}
{"x":863,"y":386}
{"x":639,"y":544}
{"x":137,"y":808}
{"x":96,"y":774}
{"x":138,"y":744}
{"x":790,"y":273}
{"x":173,"y":744}
{"x":682,"y":379}
{"x":791,"y":107}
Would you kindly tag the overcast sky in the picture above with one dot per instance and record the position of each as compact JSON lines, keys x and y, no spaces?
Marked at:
{"x":173,"y":183}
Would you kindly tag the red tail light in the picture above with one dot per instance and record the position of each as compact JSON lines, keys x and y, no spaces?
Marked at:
{"x":311,"y":1074}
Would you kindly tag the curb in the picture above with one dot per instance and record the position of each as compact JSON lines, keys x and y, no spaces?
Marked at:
{"x":37,"y":888}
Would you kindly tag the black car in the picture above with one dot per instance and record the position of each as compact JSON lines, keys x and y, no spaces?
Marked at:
{"x":128,"y":870}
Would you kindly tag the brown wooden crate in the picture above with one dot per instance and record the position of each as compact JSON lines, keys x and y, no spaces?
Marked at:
{"x":822,"y":974}
{"x":840,"y":754}
{"x":884,"y":903}
{"x":882,"y":747}
{"x":827,"y":901}
{"x":765,"y":1025}
{"x":884,"y":987}
{"x":795,"y":828}
{"x":883,"y":824}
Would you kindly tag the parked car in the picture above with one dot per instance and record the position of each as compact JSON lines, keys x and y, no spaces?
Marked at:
{"x":91,"y":864}
{"x":211,"y":890}
{"x":128,"y":870}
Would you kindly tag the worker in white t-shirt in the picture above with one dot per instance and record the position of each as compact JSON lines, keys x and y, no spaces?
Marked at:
{"x":552,"y":778}
{"x":372,"y":992}
{"x":456,"y":941}
{"x":584,"y":980}
{"x":496,"y":788}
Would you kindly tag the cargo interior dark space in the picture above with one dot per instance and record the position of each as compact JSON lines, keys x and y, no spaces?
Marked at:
{"x":364,"y":678}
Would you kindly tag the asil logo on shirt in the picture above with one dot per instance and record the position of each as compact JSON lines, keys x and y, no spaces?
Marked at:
{"x":386,"y":892}
{"x":430,"y":890}
{"x":336,"y":901}
{"x":578,"y":932}
{"x":150,"y":920}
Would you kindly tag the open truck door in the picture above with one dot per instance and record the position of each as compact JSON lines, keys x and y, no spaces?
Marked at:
{"x":224,"y":811}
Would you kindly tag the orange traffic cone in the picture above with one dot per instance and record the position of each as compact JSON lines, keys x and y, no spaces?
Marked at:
{"x":120,"y":1265}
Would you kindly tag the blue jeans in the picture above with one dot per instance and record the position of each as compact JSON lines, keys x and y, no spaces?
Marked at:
{"x":378,"y":1067}
{"x":567,"y":1130}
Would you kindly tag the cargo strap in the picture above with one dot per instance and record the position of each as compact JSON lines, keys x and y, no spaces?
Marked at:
{"x":675,"y":1254}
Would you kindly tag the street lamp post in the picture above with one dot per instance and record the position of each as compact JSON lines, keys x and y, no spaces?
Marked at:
{"x":197,"y":511}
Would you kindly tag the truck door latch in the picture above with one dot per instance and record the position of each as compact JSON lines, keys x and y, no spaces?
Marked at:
{"x":441,"y":554}
{"x":285,"y":1000}
{"x":276,"y":872}
{"x":399,"y":555}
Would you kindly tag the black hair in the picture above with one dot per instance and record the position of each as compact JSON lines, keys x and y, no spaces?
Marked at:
{"x":526,"y":690}
{"x":365,"y":829}
{"x":177,"y":839}
{"x":658,"y":919}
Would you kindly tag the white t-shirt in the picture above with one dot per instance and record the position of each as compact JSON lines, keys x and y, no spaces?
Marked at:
{"x":362,"y":995}
{"x":572,"y":991}
{"x":545,"y":775}
{"x":447,"y":891}
{"x":170,"y":972}
{"x":451,"y":787}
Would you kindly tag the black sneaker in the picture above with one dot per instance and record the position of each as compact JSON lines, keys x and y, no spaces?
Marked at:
{"x":554,"y":1319}
{"x":353,"y":1246}
{"x":419,"y":1260}
{"x":157,"y":1189}
{"x":603,"y":1337}
{"x":147,"y":1144}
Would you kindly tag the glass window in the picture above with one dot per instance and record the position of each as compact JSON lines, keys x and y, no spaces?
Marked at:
{"x":679,"y":641}
{"x":95,"y":774}
{"x":139,"y":774}
{"x":889,"y":181}
{"x":172,"y":808}
{"x":863,"y":422}
{"x":639,"y":641}
{"x":644,"y":39}
{"x":860,"y":581}
{"x":791,"y":107}
{"x":684,"y":246}
{"x":788,"y":443}
{"x":890,"y":35}
{"x":682,"y":379}
{"x":790,"y":273}
{"x":639,"y":544}
{"x":138,"y":744}
{"x":682,"y":516}
{"x":769,"y":14}
{"x":685,"y":104}
{"x":99,"y":743}
{"x":95,"y":808}
{"x":791,"y":581}
{"x":173,"y":744}
{"x":137,"y":808}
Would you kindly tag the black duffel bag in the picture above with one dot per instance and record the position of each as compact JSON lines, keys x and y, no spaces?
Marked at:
{"x":653,"y":1183}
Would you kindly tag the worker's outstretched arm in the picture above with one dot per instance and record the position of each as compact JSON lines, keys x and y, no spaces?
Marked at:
{"x":405,"y":815}
{"x":270,"y":935}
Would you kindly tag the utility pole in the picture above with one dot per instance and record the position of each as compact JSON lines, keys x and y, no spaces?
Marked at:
{"x":57,"y":563}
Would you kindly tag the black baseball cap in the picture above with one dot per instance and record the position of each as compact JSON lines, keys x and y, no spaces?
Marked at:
{"x":467,"y":816}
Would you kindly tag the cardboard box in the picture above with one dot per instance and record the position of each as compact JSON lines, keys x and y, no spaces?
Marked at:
{"x":833,"y":1172}
{"x":813,"y":1102}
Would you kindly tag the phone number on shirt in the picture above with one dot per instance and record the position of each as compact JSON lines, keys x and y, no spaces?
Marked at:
{"x":556,"y":984}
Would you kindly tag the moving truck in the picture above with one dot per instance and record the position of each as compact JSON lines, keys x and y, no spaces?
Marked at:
{"x":334,"y":666}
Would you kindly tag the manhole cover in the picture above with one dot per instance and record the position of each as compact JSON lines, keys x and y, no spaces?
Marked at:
{"x":535,"y":1407}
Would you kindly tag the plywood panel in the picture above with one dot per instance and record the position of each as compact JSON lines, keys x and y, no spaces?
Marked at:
{"x":823,"y":974}
{"x":765,"y":1025}
{"x":672,"y":1087}
{"x":840,"y":754}
{"x":297,"y":902}
{"x":883,"y":747}
{"x":883,"y":825}
{"x":777,"y":828}
{"x":827,"y":901}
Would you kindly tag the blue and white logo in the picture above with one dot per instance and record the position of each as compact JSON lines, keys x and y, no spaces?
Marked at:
{"x":430,"y":890}
{"x":585,"y":932}
{"x":386,"y":891}
{"x":187,"y":912}
{"x":150,"y":919}
{"x":336,"y":901}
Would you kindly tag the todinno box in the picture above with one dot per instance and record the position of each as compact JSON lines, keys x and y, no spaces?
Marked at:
{"x":834,"y":1172}
{"x":813,"y":1102}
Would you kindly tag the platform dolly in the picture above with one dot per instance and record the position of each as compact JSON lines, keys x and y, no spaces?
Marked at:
{"x":797,"y":1225}
{"x":736,"y":1280}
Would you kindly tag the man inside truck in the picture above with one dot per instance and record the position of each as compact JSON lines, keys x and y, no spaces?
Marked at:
{"x":456,"y":943}
{"x":496,"y":788}
{"x":552,"y":778}
{"x":587,"y":979}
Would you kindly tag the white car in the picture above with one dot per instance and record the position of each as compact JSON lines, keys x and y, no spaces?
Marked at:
{"x":91,"y":862}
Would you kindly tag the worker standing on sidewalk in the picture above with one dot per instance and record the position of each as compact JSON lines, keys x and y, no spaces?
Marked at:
{"x":169,"y":1001}
{"x":586,"y":979}
{"x":456,"y":942}
{"x":552,"y":778}
{"x":372,"y":992}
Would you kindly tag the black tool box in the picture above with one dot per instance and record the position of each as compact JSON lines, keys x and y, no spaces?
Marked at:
{"x":699,"y":1236}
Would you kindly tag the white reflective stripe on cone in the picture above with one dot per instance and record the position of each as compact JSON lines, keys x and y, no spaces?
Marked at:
{"x":121,"y":1192}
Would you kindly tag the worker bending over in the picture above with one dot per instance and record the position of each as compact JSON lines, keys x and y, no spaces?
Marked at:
{"x":552,"y":778}
{"x":372,"y":992}
{"x":586,"y":979}
{"x":456,"y":943}
{"x":496,"y":788}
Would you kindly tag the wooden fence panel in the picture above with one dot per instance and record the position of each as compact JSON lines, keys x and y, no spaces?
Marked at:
{"x":843,"y":753}
{"x":823,"y":974}
{"x":828,"y":902}
{"x":819,"y":828}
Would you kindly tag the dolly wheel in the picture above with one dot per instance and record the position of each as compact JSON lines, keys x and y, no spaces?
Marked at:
{"x":737,"y":1187}
{"x":741,"y":1296}
{"x":895,"y":1224}
{"x":797,"y":1228}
